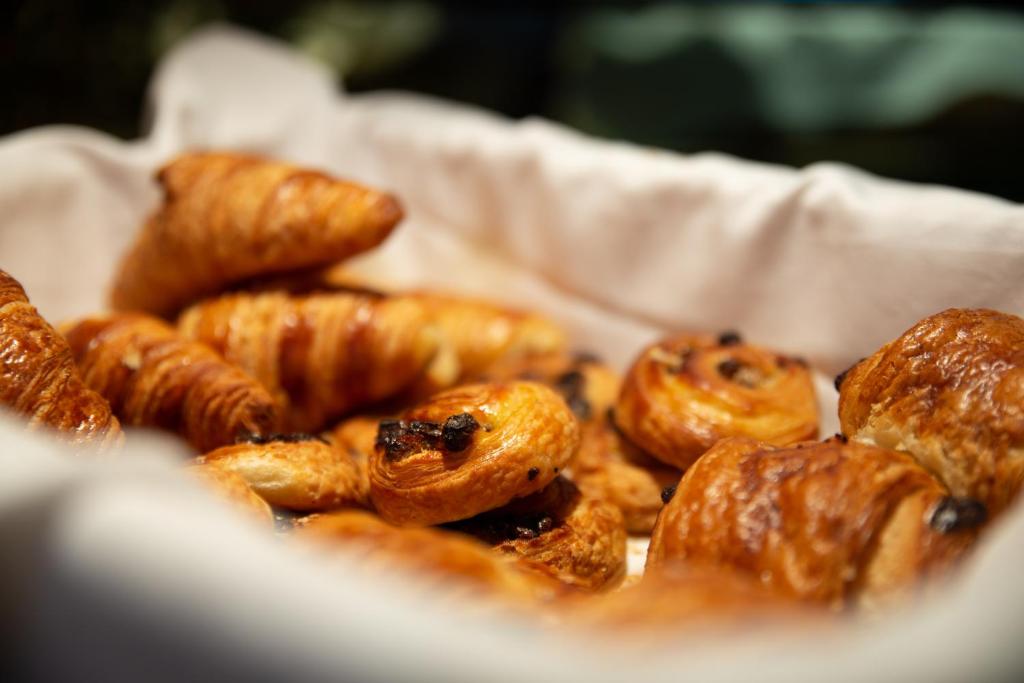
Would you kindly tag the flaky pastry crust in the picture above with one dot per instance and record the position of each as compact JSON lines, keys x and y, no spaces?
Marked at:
{"x":685,"y":393}
{"x":227,"y":217}
{"x":949,"y":391}
{"x":468,"y":450}
{"x":322,"y":354}
{"x":38,"y":377}
{"x":582,"y":540}
{"x":153,"y":377}
{"x":304,"y":475}
{"x":824,"y":522}
{"x":233,"y":489}
{"x":461,"y":565}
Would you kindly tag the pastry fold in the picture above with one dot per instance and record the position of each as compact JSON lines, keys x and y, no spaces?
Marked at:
{"x":152,"y":377}
{"x":227,"y":217}
{"x":949,"y":391}
{"x":38,"y":377}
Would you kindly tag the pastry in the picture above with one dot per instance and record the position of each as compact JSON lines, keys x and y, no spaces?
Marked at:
{"x":296,"y":472}
{"x":38,"y":377}
{"x":356,"y":436}
{"x":468,"y":450}
{"x":832,"y":523}
{"x":232,"y":488}
{"x":685,"y":393}
{"x":949,"y":391}
{"x":582,"y":540}
{"x":450,"y":561}
{"x":321,"y":355}
{"x":227,"y":217}
{"x":154,"y":378}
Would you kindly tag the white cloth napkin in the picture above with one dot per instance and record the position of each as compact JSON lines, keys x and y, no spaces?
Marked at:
{"x":123,"y":571}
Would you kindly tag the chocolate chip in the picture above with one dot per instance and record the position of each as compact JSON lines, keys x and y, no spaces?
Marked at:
{"x":524,"y":532}
{"x":397,"y":437}
{"x":957,"y":514}
{"x":667,"y":493}
{"x":730,"y":338}
{"x":294,"y":437}
{"x":457,"y":432}
{"x":729,"y":367}
{"x":841,"y":438}
{"x":544,"y":525}
{"x":532,"y":473}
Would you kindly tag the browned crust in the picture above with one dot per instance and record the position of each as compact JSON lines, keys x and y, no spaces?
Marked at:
{"x":38,"y":377}
{"x":227,"y":217}
{"x":152,"y":377}
{"x":950,"y":391}
{"x":526,"y":436}
{"x":804,"y":520}
{"x":684,"y":393}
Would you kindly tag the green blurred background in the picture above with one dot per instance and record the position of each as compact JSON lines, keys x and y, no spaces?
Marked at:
{"x":922,"y":92}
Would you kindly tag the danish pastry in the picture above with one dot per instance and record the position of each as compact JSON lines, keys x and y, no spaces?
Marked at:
{"x":468,"y":450}
{"x":233,"y":489}
{"x":583,"y":540}
{"x":356,"y":436}
{"x":949,"y":391}
{"x":322,"y":354}
{"x":462,"y":565}
{"x":829,"y":522}
{"x":297,"y":472}
{"x":152,"y":377}
{"x":38,"y":377}
{"x":685,"y":393}
{"x":227,"y":217}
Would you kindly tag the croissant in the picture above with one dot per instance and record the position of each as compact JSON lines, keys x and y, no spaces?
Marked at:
{"x":468,"y":450}
{"x":152,"y":377}
{"x":233,"y":489}
{"x":323,"y":354}
{"x":829,"y":522}
{"x":582,"y":540}
{"x":483,"y":334}
{"x":296,"y":473}
{"x":458,"y":564}
{"x":685,"y":393}
{"x":38,"y":377}
{"x":949,"y":391}
{"x":227,"y":217}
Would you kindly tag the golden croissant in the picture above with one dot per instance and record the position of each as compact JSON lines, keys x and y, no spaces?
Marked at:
{"x":949,"y":391}
{"x":468,"y":450}
{"x":582,"y":540}
{"x":38,"y":377}
{"x":228,"y":217}
{"x":321,"y":355}
{"x":685,"y":393}
{"x":829,"y":522}
{"x":153,"y":377}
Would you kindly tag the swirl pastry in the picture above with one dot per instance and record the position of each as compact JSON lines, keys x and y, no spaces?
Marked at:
{"x":228,"y":217}
{"x":582,"y":540}
{"x":357,"y":437}
{"x":468,"y":450}
{"x":38,"y":377}
{"x":461,"y":565}
{"x":949,"y":391}
{"x":234,"y":490}
{"x":323,"y":354}
{"x":297,"y":472}
{"x":685,"y":393}
{"x":152,"y":377}
{"x":824,"y":522}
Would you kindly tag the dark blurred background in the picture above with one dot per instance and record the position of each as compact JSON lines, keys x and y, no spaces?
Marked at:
{"x":931,"y":93}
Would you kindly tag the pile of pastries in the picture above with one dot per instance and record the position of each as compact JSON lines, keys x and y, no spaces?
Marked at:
{"x":468,"y":443}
